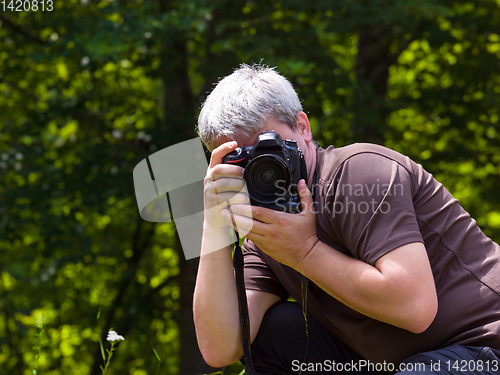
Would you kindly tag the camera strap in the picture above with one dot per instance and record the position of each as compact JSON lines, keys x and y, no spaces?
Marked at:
{"x":304,"y":282}
{"x":242,"y":304}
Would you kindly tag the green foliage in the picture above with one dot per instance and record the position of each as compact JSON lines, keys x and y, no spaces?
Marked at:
{"x":77,"y":113}
{"x":90,"y":89}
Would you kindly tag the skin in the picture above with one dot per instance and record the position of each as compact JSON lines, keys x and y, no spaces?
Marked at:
{"x":399,"y":289}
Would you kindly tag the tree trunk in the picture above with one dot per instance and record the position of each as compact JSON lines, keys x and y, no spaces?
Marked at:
{"x":372,"y":72}
{"x":179,"y":125}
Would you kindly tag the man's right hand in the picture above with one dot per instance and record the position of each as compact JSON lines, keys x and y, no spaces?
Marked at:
{"x":223,"y":184}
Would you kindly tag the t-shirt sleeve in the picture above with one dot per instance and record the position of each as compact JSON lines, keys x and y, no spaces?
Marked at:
{"x":371,"y":202}
{"x":258,"y":274}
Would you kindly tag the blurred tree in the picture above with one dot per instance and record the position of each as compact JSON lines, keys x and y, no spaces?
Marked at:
{"x":93,"y":87}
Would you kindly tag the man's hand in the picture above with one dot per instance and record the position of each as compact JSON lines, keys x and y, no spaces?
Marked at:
{"x":223,"y":183}
{"x":287,"y":238}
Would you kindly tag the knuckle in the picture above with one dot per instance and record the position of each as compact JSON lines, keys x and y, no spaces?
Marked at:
{"x":274,"y":233}
{"x":215,"y":169}
{"x":209,"y":188}
{"x":282,"y":222}
{"x":209,"y":177}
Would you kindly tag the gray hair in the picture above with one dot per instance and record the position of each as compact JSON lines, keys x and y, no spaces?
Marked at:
{"x":242,"y":103}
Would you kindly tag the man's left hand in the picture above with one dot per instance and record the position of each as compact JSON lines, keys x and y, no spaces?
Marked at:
{"x":287,"y":238}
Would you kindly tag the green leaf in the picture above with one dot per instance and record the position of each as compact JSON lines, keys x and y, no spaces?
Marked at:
{"x":102,"y":351}
{"x":157,"y":355}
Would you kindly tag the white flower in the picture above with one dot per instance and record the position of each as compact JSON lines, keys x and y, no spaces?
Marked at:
{"x":113,"y":336}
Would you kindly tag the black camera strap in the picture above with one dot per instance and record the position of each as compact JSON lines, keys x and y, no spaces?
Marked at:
{"x":242,"y":304}
{"x":304,"y":281}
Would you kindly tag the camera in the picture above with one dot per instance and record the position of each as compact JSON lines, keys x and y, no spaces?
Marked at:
{"x":273,"y":169}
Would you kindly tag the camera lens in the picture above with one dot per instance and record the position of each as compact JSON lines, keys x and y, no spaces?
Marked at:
{"x":267,"y":177}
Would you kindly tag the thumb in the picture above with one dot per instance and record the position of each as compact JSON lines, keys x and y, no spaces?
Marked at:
{"x":305,"y":196}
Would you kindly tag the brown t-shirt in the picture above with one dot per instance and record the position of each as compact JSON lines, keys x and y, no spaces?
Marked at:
{"x":371,"y":200}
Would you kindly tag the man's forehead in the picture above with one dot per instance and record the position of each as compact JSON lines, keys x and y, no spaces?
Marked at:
{"x":271,"y":125}
{"x":242,"y":141}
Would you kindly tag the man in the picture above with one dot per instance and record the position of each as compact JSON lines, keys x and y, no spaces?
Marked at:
{"x":401,"y":278}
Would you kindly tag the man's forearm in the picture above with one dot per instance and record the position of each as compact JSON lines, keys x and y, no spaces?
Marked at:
{"x":371,"y":291}
{"x":215,"y":304}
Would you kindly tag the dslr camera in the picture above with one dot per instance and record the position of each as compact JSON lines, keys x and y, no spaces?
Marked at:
{"x":273,"y":169}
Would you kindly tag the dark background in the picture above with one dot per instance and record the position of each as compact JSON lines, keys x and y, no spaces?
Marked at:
{"x":89,"y":89}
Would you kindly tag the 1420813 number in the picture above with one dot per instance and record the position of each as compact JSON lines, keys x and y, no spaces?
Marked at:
{"x":27,"y":5}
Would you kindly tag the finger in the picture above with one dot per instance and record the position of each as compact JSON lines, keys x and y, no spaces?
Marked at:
{"x":228,"y":218}
{"x":221,"y":151}
{"x":264,"y":215}
{"x":228,"y":184}
{"x":242,"y":224}
{"x":225,"y":199}
{"x":235,"y":198}
{"x":226,"y":170}
{"x":305,"y":196}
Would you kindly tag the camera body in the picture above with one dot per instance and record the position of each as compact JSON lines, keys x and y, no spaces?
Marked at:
{"x":273,"y":169}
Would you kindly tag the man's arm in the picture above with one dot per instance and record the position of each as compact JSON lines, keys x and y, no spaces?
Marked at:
{"x":216,"y":312}
{"x":215,"y":305}
{"x":399,"y":289}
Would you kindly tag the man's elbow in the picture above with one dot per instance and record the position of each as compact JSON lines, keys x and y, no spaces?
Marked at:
{"x":220,"y":358}
{"x":215,"y":361}
{"x":423,"y":316}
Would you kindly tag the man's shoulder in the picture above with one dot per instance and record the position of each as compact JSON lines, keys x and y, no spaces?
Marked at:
{"x":332,"y":159}
{"x":341,"y":154}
